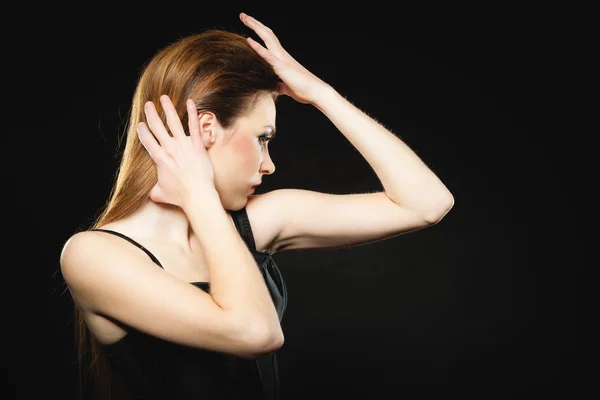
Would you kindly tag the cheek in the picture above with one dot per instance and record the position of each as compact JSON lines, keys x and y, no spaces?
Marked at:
{"x":247,"y":152}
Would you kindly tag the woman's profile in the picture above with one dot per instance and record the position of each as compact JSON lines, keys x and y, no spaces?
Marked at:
{"x":176,"y":293}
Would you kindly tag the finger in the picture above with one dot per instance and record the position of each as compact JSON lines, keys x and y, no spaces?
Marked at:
{"x":155,"y":124}
{"x":148,"y":140}
{"x":264,"y":53}
{"x":173,"y":121}
{"x":263,"y":31}
{"x":193,"y":122}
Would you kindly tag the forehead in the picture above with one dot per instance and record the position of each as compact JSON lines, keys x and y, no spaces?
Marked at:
{"x":264,"y":111}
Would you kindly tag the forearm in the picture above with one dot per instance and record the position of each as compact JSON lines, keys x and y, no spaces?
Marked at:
{"x":236,"y":283}
{"x":406,"y":180}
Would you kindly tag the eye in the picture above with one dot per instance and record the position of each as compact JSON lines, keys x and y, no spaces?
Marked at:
{"x":264,"y":138}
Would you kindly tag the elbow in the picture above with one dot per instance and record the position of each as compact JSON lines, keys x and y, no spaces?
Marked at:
{"x":263,"y":347}
{"x":271,"y":342}
{"x":264,"y":341}
{"x":268,"y":341}
{"x":437,"y":213}
{"x":277,"y":341}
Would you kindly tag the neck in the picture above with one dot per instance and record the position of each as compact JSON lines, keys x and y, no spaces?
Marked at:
{"x":161,"y":223}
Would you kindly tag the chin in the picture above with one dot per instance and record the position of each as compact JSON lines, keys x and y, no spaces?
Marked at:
{"x":237,"y":204}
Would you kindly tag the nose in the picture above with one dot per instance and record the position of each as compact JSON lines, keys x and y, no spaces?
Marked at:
{"x":267,"y":166}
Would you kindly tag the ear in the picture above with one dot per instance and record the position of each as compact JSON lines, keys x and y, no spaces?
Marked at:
{"x":209,"y":128}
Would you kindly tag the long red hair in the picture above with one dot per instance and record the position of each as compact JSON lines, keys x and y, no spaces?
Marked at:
{"x":221,"y":73}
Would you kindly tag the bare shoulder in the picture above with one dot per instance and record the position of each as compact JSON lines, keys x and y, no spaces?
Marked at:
{"x":78,"y":247}
{"x":265,"y":219}
{"x":83,"y":245}
{"x":75,"y":265}
{"x":78,"y":250}
{"x":89,"y":256}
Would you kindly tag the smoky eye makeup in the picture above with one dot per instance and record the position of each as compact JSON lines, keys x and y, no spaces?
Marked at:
{"x":265,"y":137}
{"x":269,"y":134}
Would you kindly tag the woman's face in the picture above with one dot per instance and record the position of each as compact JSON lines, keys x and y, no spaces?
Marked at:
{"x":241,"y":162}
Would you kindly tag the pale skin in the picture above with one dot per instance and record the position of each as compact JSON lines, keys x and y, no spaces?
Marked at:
{"x":414,"y":197}
{"x":284,"y":219}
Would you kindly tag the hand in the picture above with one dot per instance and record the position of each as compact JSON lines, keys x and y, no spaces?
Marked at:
{"x":298,"y":82}
{"x":181,"y":161}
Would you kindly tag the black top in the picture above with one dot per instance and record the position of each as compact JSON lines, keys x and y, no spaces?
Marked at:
{"x":157,"y":369}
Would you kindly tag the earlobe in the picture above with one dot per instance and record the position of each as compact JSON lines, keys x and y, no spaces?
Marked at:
{"x":209,"y":139}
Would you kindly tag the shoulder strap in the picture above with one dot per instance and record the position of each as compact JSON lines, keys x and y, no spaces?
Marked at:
{"x":133,"y":242}
{"x":242,"y":223}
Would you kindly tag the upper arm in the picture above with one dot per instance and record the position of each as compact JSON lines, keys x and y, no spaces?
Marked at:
{"x":287,"y":219}
{"x":109,"y":280}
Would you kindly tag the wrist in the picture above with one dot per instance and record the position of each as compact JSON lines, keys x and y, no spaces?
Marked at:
{"x":323,"y":95}
{"x":201,"y":197}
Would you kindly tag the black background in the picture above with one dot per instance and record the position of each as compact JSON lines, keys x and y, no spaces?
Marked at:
{"x":479,"y":306}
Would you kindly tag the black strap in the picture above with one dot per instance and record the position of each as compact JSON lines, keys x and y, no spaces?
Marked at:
{"x":133,"y":242}
{"x":241,"y":221}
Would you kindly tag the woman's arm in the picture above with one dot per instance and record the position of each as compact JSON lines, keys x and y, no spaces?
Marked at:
{"x":407,"y":181}
{"x":116,"y":281}
{"x":237,"y":284}
{"x":414,"y":196}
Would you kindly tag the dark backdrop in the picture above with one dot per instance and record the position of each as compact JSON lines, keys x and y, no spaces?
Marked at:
{"x":475,"y":307}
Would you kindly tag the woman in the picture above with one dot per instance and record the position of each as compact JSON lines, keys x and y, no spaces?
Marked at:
{"x":182,"y":217}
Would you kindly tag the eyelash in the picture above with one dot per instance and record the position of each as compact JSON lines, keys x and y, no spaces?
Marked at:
{"x":264,"y":138}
